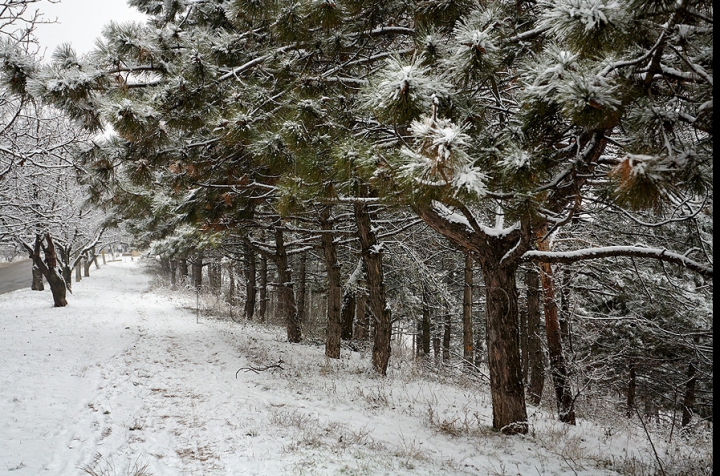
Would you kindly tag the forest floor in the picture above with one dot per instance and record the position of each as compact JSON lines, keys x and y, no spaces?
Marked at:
{"x":126,"y":380}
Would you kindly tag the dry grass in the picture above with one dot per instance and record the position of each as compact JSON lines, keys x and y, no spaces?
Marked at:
{"x":106,"y":467}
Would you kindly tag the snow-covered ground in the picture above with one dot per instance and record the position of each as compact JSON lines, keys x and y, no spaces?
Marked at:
{"x":125,"y":377}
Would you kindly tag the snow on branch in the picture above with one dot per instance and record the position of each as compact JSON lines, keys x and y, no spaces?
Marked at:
{"x":613,"y":251}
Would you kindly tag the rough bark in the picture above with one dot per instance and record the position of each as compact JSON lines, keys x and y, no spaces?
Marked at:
{"x":332,"y":267}
{"x":535,"y":352}
{"x":467,"y":320}
{"x":558,"y":367}
{"x":506,"y":388}
{"x":499,"y":257}
{"x":361,"y":331}
{"x":371,"y":252}
{"x":286,"y":294}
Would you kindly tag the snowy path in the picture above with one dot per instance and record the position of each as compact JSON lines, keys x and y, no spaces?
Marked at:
{"x":124,"y":376}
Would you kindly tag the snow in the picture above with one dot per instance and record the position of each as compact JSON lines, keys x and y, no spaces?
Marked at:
{"x":127,"y":374}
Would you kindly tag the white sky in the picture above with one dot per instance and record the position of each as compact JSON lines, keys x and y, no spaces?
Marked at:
{"x":80,"y":22}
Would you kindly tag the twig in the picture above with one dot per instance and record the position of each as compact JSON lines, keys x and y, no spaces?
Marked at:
{"x":257,"y":370}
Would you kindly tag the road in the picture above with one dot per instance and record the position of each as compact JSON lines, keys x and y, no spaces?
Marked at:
{"x":14,"y":276}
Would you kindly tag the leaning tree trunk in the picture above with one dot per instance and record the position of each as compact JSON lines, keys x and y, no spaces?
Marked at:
{"x":503,"y":345}
{"x":37,"y":279}
{"x":332,"y":267}
{"x":286,"y":295}
{"x":372,"y":258}
{"x":49,"y":269}
{"x":467,"y":321}
{"x":558,"y":367}
{"x":534,"y":328}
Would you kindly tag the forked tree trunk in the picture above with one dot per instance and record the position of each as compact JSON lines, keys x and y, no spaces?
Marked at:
{"x":535,"y":352}
{"x":467,"y":321}
{"x":332,"y":267}
{"x":49,"y":269}
{"x":503,"y":342}
{"x":372,"y":258}
{"x":286,"y":295}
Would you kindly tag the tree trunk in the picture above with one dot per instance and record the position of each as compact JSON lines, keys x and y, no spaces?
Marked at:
{"x":558,"y":367}
{"x":250,"y":280}
{"x":230,"y":296}
{"x":173,"y":272}
{"x":426,"y":336}
{"x":94,"y":258}
{"x":286,"y":295}
{"x":347,"y":314}
{"x":215,"y":276}
{"x":361,"y":331}
{"x":197,"y":268}
{"x":86,"y":262}
{"x":301,"y":287}
{"x":446,"y":337}
{"x":78,"y":272}
{"x":332,"y":267}
{"x":689,"y":400}
{"x":371,"y":252}
{"x":503,"y":342}
{"x":631,"y":392}
{"x":183,"y":268}
{"x":37,"y":279}
{"x":262,"y":309}
{"x":536,"y":359}
{"x":49,"y":269}
{"x":467,"y":320}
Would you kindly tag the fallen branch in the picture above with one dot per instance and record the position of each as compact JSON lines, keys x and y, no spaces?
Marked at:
{"x":257,"y":370}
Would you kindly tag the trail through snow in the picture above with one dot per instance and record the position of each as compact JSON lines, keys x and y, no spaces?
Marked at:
{"x":125,"y":377}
